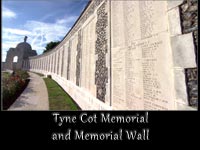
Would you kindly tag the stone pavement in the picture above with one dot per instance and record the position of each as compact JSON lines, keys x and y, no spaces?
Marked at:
{"x":34,"y":97}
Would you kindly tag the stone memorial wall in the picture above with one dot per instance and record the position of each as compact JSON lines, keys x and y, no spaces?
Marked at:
{"x":123,"y":55}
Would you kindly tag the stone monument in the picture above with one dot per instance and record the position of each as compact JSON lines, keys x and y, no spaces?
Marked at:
{"x":23,"y":51}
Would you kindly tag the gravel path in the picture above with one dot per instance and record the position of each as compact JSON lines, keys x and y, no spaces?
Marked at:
{"x":34,"y":97}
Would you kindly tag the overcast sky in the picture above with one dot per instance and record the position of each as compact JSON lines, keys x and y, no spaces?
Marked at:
{"x":41,"y":20}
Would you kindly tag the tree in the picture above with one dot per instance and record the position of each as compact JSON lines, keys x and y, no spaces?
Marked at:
{"x":50,"y":46}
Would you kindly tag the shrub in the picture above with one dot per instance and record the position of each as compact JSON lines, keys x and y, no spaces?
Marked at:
{"x":12,"y":86}
{"x":22,"y":74}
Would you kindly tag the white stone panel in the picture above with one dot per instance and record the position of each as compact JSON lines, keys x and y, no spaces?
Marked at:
{"x":180,"y":86}
{"x":174,"y":3}
{"x":174,"y":22}
{"x":73,"y":59}
{"x":183,"y":51}
{"x":65,"y":61}
{"x":142,"y":68}
{"x":60,"y":61}
{"x":88,"y":60}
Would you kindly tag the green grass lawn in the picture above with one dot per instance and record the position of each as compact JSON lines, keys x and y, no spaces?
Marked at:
{"x":58,"y":98}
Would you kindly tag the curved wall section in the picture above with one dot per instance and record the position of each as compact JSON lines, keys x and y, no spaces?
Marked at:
{"x":79,"y":63}
{"x":123,"y":55}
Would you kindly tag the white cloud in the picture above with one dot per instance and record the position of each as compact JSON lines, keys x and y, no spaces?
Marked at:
{"x":7,"y":13}
{"x":6,"y":45}
{"x":3,"y":56}
{"x":39,"y":33}
{"x":67,"y":20}
{"x":16,"y":31}
{"x":42,"y":33}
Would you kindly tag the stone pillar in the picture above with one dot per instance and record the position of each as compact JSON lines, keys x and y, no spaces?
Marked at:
{"x":43,"y":64}
{"x":57,"y":62}
{"x":61,"y":61}
{"x":34,"y":64}
{"x":51,"y":62}
{"x":69,"y":60}
{"x":52,"y":68}
{"x":37,"y":64}
{"x":62,"y":64}
{"x":65,"y":60}
{"x":40,"y":64}
{"x":46,"y":63}
{"x":54,"y":62}
{"x":33,"y":67}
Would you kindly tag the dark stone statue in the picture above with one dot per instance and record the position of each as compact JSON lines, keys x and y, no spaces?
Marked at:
{"x":25,"y":38}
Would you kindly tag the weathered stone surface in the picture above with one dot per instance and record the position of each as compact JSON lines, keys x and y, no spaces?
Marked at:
{"x":189,"y":17}
{"x":180,"y":86}
{"x":174,"y":21}
{"x":101,"y":73}
{"x":192,"y":85}
{"x":187,"y":24}
{"x":78,"y":59}
{"x":193,"y":8}
{"x":173,"y":3}
{"x":69,"y":61}
{"x":184,"y":7}
{"x":183,"y":51}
